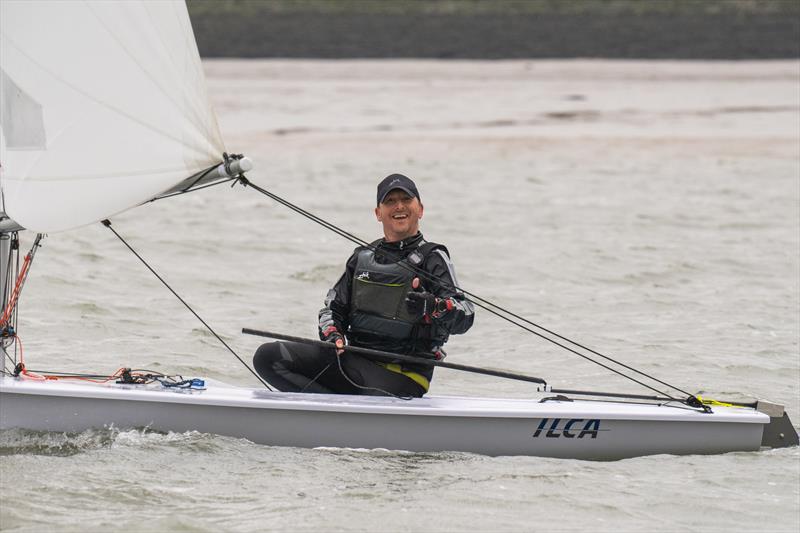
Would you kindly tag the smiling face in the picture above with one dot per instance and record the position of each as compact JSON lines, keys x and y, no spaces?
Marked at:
{"x":399,"y":213}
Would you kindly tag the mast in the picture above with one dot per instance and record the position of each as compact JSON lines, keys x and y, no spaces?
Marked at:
{"x":5,"y":254}
{"x":5,"y":288}
{"x":8,"y":244}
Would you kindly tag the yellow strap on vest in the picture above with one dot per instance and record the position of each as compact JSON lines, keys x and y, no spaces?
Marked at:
{"x":418,"y":378}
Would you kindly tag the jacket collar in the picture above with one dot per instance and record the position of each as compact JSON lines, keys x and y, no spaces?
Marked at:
{"x":406,"y":244}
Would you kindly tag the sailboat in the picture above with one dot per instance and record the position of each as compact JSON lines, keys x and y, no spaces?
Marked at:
{"x":103,"y":107}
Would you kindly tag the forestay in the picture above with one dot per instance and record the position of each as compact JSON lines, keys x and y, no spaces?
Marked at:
{"x":103,"y":106}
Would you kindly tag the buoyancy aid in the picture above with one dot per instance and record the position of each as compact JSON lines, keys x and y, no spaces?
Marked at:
{"x":378,"y":316}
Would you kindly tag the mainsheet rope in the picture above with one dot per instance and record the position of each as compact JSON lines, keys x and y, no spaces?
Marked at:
{"x":487,"y":305}
{"x":495,"y":309}
{"x":107,"y":224}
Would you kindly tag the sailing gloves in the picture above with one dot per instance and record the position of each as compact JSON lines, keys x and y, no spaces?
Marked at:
{"x":333,"y":336}
{"x":424,"y":305}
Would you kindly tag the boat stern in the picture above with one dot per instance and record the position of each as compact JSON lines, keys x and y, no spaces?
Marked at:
{"x":779,"y":433}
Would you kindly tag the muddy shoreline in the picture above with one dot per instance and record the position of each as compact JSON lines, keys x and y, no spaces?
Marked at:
{"x":770,"y":35}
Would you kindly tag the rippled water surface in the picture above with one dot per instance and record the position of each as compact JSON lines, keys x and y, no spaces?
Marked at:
{"x":650,"y":210}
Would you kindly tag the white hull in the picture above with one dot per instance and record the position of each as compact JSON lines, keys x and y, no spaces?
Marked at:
{"x":599,"y":430}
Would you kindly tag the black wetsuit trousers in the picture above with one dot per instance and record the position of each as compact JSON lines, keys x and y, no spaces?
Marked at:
{"x":294,"y":367}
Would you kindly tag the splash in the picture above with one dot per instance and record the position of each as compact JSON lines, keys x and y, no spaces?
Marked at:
{"x":25,"y":442}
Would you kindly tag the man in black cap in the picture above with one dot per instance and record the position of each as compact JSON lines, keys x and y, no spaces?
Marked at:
{"x":397,"y":295}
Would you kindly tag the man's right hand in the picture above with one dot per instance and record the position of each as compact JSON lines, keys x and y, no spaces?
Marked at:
{"x":333,"y":336}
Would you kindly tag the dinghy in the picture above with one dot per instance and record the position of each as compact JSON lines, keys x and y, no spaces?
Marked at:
{"x":103,"y":107}
{"x":491,"y":426}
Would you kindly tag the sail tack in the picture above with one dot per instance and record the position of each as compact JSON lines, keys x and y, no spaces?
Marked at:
{"x":103,"y":106}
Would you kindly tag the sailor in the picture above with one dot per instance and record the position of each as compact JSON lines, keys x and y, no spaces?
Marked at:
{"x":399,"y":295}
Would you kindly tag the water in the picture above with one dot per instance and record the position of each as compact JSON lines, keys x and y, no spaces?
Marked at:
{"x":650,"y":210}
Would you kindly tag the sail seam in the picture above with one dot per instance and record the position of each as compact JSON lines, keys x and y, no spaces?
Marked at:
{"x":146,"y":172}
{"x":144,"y":71}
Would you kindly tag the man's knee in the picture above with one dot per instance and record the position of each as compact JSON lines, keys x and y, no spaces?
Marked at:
{"x":265,"y":356}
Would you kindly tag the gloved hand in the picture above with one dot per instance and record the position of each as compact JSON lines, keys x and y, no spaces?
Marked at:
{"x":333,"y":336}
{"x":420,"y":304}
{"x":424,"y":305}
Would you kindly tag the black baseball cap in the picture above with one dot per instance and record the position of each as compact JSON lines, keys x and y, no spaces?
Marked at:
{"x":397,"y":181}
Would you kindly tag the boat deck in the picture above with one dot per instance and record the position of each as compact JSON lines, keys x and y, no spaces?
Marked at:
{"x":222,"y":394}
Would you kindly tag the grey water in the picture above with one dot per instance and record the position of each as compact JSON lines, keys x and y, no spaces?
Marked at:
{"x":650,"y":210}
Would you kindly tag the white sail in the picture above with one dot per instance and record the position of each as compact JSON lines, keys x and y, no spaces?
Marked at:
{"x":102,"y":105}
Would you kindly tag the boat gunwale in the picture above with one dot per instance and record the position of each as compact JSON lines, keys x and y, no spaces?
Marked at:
{"x":224,"y":395}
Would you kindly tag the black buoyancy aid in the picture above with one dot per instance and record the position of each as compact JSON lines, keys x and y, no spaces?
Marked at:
{"x":378,"y":316}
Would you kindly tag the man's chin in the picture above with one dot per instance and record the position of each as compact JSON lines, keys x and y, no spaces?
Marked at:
{"x":407,"y":228}
{"x":401,"y":233}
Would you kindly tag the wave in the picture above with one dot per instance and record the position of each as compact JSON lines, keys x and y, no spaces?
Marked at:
{"x":58,"y":444}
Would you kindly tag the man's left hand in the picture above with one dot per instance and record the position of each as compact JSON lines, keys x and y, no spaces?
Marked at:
{"x":420,"y":304}
{"x":424,"y":305}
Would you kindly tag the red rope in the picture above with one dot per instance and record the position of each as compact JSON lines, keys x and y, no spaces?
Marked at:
{"x":115,"y":375}
{"x":12,"y":301}
{"x":7,"y":314}
{"x":23,"y":371}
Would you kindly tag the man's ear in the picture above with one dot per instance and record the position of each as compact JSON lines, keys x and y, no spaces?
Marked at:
{"x":378,"y":214}
{"x":421,"y":209}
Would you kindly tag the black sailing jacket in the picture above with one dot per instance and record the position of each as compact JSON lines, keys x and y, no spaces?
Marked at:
{"x":342,"y":312}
